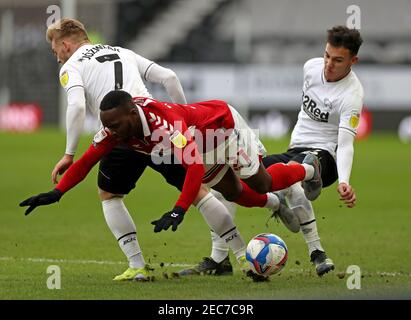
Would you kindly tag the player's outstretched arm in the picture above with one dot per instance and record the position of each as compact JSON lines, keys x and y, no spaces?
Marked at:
{"x":41,"y":199}
{"x":74,"y":175}
{"x":191,"y":187}
{"x":192,"y":184}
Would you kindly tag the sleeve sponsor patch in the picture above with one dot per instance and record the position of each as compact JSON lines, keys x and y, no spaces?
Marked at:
{"x":178,"y":139}
{"x":64,"y":79}
{"x":100,"y":136}
{"x":354,"y":120}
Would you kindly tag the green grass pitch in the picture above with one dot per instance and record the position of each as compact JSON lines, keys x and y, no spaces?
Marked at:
{"x":73,"y":235}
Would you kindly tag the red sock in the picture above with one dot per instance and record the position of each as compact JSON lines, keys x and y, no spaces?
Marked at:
{"x":249,"y":198}
{"x":285,"y":175}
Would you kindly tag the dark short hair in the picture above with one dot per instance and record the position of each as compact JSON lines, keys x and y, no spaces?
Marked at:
{"x":341,"y":36}
{"x":114,"y":99}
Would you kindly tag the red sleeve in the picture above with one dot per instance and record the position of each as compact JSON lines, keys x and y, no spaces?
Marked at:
{"x":192,"y":161}
{"x":80,"y":168}
{"x":184,"y":149}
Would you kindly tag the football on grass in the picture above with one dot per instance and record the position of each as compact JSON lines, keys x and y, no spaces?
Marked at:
{"x":267,"y":254}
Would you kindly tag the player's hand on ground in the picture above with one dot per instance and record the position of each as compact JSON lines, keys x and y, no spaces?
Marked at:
{"x":171,"y":218}
{"x":65,"y":162}
{"x":41,"y":199}
{"x":347,"y":194}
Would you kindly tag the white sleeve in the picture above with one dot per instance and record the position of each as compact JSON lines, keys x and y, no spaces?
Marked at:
{"x":345,"y":154}
{"x":75,"y":116}
{"x":350,"y":113}
{"x":151,"y":71}
{"x":167,"y":77}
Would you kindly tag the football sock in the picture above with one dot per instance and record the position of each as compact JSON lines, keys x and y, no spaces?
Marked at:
{"x":284,"y":175}
{"x":231,"y":206}
{"x":235,"y":241}
{"x":304,"y":210}
{"x":123,"y":228}
{"x":221,"y":222}
{"x":249,"y":198}
{"x":219,"y":248}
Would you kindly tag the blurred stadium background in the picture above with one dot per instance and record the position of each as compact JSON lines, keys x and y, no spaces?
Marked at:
{"x":249,"y":52}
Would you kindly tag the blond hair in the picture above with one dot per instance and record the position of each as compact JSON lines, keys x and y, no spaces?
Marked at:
{"x":67,"y":28}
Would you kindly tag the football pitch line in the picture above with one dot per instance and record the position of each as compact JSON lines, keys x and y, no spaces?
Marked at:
{"x":103,"y":262}
{"x":181,"y":265}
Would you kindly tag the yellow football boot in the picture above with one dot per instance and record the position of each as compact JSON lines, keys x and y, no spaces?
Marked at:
{"x":137,"y":274}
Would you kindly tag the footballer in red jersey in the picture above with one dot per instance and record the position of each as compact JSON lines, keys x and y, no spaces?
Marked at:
{"x":159,"y":128}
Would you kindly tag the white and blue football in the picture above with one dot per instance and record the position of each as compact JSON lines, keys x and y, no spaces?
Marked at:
{"x":267,"y":254}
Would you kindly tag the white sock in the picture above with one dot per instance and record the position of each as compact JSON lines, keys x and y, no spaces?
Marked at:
{"x":304,"y":210}
{"x":309,"y":171}
{"x":219,"y":248}
{"x":230,"y":206}
{"x":273,"y":202}
{"x":123,"y":228}
{"x":221,"y":222}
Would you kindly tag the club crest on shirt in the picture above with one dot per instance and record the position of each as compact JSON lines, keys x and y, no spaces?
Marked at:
{"x":64,"y":79}
{"x":327,"y":104}
{"x":354,"y":119}
{"x":178,"y":139}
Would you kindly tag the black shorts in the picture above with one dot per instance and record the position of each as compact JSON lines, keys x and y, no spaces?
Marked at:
{"x":329,"y":173}
{"x":120,"y":170}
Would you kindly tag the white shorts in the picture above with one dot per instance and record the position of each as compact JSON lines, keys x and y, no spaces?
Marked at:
{"x":241,"y":151}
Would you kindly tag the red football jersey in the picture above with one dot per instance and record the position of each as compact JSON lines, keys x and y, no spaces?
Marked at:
{"x":165,"y":126}
{"x":210,"y":120}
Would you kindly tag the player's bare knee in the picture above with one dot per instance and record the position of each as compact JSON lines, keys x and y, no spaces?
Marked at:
{"x":201,"y":194}
{"x":104,"y":195}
